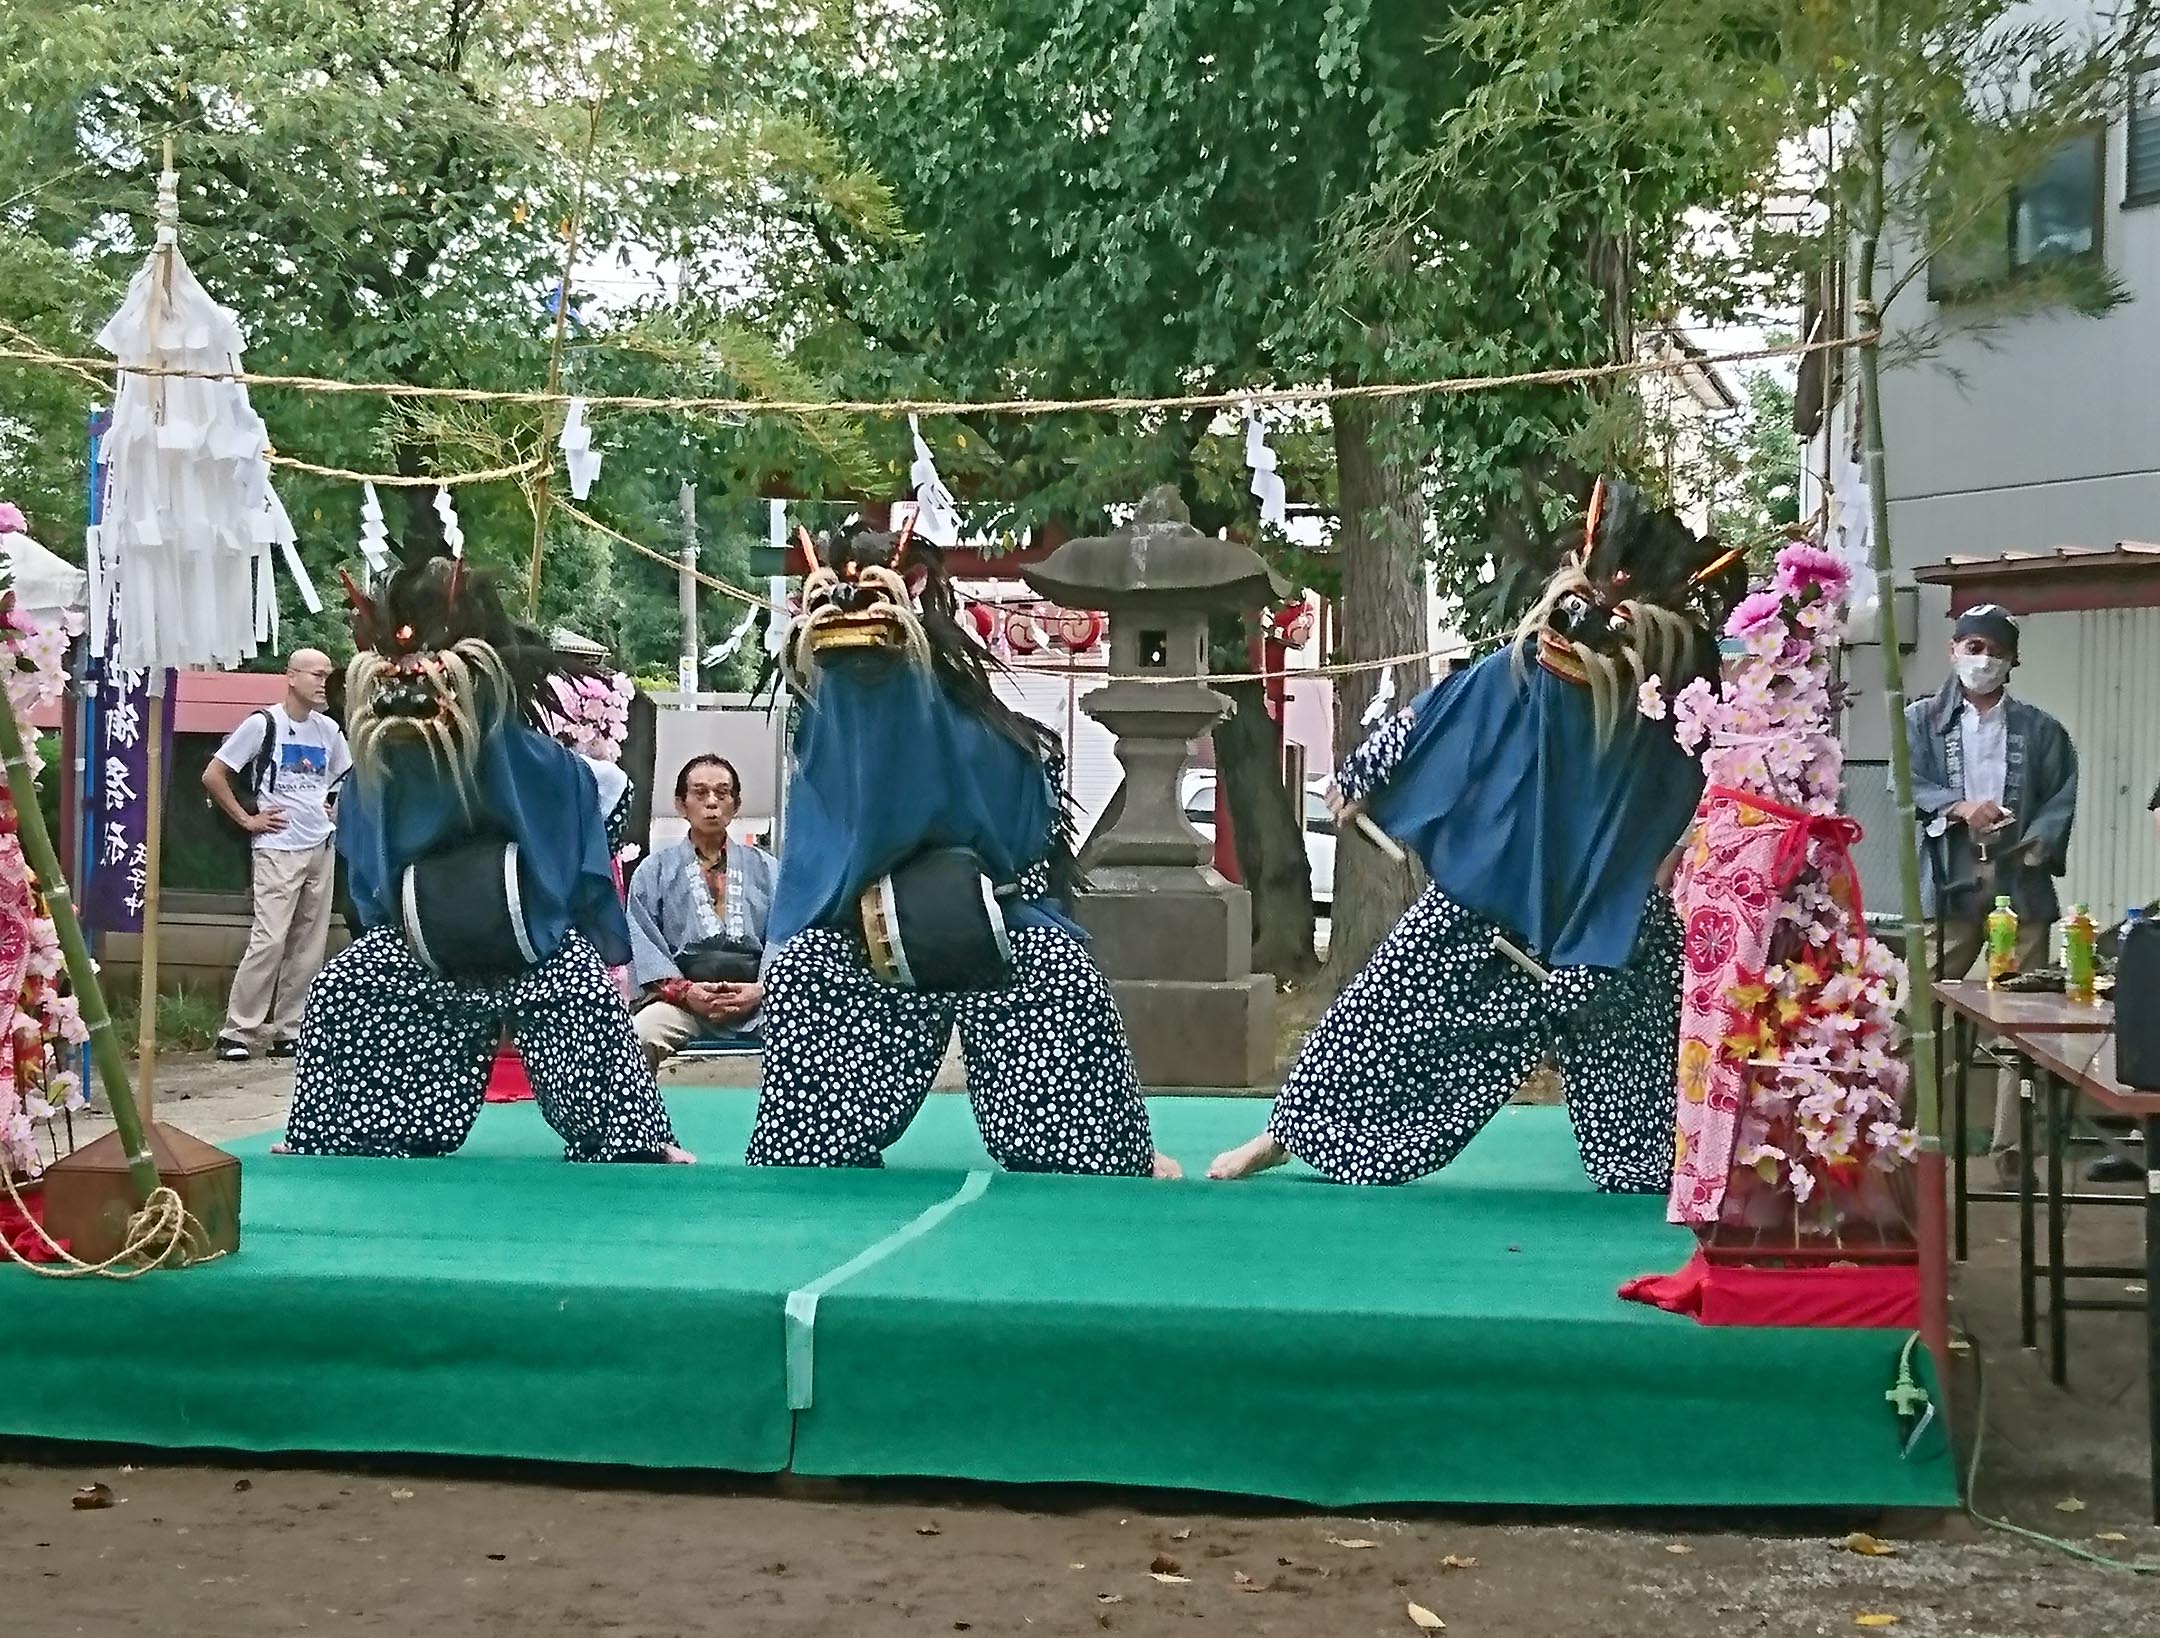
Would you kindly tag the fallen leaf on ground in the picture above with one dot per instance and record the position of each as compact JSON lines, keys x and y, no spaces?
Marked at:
{"x":497,"y":1558}
{"x":1079,"y":1566}
{"x":1164,"y":1564}
{"x":2069,"y":1504}
{"x":91,"y":1497}
{"x":1455,"y":1561}
{"x":1678,"y":1547}
{"x":1350,"y":1541}
{"x":1240,"y":1578}
{"x":928,"y":1530}
{"x":1868,"y":1546}
{"x":1109,"y":1598}
{"x":1875,"y":1620}
{"x":243,"y":1484}
{"x":401,"y":1495}
{"x":2111,"y":1535}
{"x":1181,"y":1535}
{"x":1170,"y":1580}
{"x":962,"y":1626}
{"x":1425,"y":1618}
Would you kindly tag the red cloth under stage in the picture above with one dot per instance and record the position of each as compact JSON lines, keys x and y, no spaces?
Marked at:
{"x":506,"y":1078}
{"x":1843,"y":1296}
{"x":20,"y":1232}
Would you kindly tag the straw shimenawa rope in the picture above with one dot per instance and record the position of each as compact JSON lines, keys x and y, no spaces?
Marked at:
{"x":163,"y":1231}
{"x":1440,"y":387}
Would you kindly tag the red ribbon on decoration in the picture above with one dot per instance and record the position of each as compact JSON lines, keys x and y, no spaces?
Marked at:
{"x":1837,"y":833}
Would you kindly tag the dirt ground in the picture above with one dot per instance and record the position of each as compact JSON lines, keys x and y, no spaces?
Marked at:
{"x":248,"y":1550}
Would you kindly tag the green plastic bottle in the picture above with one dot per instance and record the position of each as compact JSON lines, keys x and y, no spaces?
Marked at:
{"x":2078,"y":936}
{"x":2002,"y":932}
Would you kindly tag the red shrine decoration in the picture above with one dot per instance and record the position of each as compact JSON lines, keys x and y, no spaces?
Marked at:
{"x":1292,"y":624}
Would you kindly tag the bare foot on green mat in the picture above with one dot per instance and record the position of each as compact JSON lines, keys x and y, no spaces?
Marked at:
{"x":1166,"y":1169}
{"x":281,"y":1148}
{"x":678,"y":1157}
{"x":1249,"y":1159}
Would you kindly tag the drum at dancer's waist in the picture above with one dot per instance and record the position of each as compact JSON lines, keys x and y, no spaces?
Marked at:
{"x":937,"y":922}
{"x":466,"y":911}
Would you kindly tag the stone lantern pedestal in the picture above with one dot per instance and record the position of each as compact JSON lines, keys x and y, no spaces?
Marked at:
{"x":1174,"y":937}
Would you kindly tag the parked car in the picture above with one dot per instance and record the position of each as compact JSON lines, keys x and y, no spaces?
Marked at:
{"x":1198,"y":788}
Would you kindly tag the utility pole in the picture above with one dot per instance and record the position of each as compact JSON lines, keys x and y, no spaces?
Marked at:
{"x":686,"y":668}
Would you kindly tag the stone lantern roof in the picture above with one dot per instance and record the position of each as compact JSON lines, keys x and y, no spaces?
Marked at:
{"x":1158,"y":563}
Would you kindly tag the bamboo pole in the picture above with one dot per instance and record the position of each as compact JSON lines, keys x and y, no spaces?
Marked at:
{"x":105,"y":1048}
{"x":1920,"y":1012}
{"x":153,"y":863}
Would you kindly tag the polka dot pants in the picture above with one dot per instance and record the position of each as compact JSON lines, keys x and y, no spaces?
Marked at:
{"x":849,"y":1060}
{"x":1436,"y":1034}
{"x":394,"y":1060}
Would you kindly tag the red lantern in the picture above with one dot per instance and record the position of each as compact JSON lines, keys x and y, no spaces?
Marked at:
{"x":1293,"y":624}
{"x":1079,"y":629}
{"x":1020,"y":634}
{"x":984,"y":620}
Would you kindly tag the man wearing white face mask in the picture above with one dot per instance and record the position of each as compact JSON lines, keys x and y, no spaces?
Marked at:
{"x":1995,"y":782}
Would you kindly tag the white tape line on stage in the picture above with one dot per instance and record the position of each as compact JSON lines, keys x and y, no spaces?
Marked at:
{"x":802,"y":1302}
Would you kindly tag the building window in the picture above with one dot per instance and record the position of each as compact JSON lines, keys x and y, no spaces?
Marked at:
{"x":2141,"y":160}
{"x":2054,"y":217}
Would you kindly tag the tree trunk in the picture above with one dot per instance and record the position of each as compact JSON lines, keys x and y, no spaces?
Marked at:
{"x":1267,"y":823}
{"x":1380,"y":548}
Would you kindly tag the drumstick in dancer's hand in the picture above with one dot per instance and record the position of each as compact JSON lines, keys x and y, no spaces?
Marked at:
{"x":1394,"y":850}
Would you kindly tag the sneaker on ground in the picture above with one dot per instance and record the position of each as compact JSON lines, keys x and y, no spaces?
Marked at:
{"x":283,"y":1049}
{"x":231,"y":1051}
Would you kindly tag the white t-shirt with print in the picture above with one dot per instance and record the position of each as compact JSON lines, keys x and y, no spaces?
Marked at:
{"x":311,"y":758}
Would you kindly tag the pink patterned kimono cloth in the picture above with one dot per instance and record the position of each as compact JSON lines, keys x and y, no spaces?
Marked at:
{"x":18,"y":909}
{"x":1744,"y":852}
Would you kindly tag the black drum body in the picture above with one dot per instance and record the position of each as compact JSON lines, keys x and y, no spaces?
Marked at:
{"x":2137,"y":1007}
{"x":462,"y":911}
{"x":935,"y":924}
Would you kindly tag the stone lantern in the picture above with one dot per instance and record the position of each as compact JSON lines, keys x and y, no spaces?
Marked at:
{"x":1174,"y":938}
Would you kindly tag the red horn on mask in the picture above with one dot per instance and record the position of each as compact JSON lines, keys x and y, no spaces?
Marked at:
{"x":363,"y":608}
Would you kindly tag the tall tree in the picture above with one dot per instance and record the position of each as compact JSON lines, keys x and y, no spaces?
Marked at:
{"x":1156,"y":196}
{"x":385,"y":190}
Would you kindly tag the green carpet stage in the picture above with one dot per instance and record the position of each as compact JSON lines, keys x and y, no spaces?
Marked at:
{"x":1458,"y":1341}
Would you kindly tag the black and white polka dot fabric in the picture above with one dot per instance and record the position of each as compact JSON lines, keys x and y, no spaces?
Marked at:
{"x":1436,"y":1034}
{"x":849,"y":1060}
{"x":394,"y":1060}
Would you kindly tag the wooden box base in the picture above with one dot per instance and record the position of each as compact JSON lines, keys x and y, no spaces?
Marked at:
{"x":89,"y":1197}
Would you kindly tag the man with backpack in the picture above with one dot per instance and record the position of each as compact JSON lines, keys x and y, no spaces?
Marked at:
{"x":286,"y":760}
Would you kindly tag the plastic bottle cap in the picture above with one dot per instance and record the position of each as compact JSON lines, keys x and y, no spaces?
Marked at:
{"x":2002,"y":901}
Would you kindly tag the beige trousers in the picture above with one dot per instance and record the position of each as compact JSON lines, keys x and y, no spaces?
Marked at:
{"x":663,"y":1029}
{"x":1960,"y":946}
{"x":286,"y":944}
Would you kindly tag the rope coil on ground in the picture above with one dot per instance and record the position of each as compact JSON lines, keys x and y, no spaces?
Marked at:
{"x":161,"y":1233}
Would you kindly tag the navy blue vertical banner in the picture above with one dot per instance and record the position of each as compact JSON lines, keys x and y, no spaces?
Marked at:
{"x":117,"y":771}
{"x":120,"y":799}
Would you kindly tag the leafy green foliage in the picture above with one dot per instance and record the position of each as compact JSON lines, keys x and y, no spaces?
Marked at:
{"x":382,"y":191}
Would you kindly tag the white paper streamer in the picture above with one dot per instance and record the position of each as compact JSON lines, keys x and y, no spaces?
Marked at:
{"x":579,"y":455}
{"x":725,"y":650}
{"x":374,"y":537}
{"x":1267,"y":483}
{"x":273,"y":527}
{"x":186,"y":538}
{"x":453,"y":532}
{"x":937,"y":519}
{"x":1383,"y":697}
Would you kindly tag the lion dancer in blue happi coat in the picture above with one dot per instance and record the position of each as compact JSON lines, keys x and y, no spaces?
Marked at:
{"x":1547,"y":810}
{"x":903,"y":746}
{"x":480,"y":863}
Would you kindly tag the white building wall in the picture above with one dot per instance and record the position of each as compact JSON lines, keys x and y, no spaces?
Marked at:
{"x":2042,"y":430}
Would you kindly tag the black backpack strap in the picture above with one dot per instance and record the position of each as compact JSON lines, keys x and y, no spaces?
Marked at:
{"x":262,"y":769}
